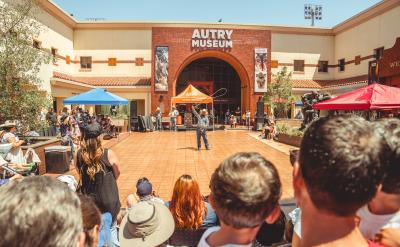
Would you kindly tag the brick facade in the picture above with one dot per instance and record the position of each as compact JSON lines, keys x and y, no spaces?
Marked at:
{"x":181,"y":53}
{"x":389,"y":66}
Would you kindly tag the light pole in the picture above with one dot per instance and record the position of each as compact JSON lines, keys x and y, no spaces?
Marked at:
{"x":312,"y":12}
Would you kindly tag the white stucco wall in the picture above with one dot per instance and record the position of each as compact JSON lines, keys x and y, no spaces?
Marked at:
{"x":56,"y":35}
{"x":121,"y":44}
{"x":362,"y":39}
{"x":311,"y":48}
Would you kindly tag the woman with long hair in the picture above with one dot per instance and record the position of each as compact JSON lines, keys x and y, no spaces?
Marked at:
{"x":98,"y":171}
{"x":188,"y":207}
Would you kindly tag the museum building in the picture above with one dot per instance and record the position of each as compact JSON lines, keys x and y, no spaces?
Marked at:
{"x":150,"y":62}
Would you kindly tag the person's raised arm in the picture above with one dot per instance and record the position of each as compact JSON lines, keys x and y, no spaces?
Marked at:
{"x":195,"y":112}
{"x":112,"y":157}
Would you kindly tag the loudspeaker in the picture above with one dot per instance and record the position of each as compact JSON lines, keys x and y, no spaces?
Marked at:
{"x":57,"y":159}
{"x":260,"y":109}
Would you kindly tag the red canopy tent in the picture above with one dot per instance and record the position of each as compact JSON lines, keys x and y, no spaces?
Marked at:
{"x":372,"y":97}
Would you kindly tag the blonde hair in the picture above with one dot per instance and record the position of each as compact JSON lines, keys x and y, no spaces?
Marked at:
{"x":91,"y":154}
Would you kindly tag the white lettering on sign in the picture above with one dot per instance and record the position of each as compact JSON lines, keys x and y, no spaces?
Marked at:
{"x":395,"y":64}
{"x":212,"y":38}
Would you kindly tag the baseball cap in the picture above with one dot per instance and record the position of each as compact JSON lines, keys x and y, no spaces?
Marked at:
{"x":92,"y":130}
{"x":144,"y":188}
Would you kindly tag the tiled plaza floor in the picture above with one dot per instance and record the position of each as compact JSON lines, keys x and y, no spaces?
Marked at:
{"x":164,"y":156}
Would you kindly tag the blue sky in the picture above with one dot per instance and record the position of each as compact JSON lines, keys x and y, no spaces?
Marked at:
{"x":282,"y":12}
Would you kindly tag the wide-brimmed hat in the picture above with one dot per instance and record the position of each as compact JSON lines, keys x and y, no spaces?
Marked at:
{"x":146,"y":224}
{"x":8,"y":124}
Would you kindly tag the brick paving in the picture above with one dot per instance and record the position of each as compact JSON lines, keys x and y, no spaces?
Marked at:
{"x":164,"y":156}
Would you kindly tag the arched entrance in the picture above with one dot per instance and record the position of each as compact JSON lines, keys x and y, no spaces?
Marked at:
{"x":209,"y":75}
{"x":232,"y":70}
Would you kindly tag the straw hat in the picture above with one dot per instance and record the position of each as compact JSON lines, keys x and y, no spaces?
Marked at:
{"x":146,"y":224}
{"x":8,"y":124}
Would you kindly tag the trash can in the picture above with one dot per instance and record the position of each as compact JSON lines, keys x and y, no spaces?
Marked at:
{"x":57,"y":159}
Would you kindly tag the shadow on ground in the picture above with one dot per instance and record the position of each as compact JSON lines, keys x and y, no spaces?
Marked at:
{"x":187,"y":148}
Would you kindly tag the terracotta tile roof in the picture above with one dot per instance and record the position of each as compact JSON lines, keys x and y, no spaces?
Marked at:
{"x":344,"y":82}
{"x":321,"y":84}
{"x":106,"y":80}
{"x":305,"y":84}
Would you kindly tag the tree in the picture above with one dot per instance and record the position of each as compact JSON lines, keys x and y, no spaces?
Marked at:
{"x":21,"y":97}
{"x":279,"y":96}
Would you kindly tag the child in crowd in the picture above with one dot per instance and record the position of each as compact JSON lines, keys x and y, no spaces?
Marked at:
{"x":245,"y":190}
{"x":384,"y":210}
{"x":233,"y":121}
{"x":144,"y":192}
{"x":338,"y":171}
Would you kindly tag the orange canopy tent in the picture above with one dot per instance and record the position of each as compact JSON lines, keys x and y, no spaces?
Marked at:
{"x":191,"y":95}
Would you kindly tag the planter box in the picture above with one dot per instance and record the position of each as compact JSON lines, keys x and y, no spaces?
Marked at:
{"x":39,"y":145}
{"x":290,"y":140}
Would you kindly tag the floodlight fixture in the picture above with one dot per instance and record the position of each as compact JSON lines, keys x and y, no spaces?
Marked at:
{"x":312,"y":12}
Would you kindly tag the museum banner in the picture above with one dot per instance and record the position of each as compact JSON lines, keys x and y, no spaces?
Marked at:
{"x":260,"y":70}
{"x":161,"y":68}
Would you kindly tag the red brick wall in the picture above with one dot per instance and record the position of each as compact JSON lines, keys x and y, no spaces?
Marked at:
{"x":241,"y":57}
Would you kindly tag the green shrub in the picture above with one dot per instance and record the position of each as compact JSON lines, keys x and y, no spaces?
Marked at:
{"x":284,"y":129}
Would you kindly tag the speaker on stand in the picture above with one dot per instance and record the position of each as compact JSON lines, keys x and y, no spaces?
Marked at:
{"x":259,"y":117}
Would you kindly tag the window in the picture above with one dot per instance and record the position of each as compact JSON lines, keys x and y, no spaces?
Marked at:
{"x":54,"y":54}
{"x":322,"y":66}
{"x":112,"y":61}
{"x":139,"y":61}
{"x":36,"y":44}
{"x":299,"y":65}
{"x":341,"y":64}
{"x":86,"y":62}
{"x":378,"y":53}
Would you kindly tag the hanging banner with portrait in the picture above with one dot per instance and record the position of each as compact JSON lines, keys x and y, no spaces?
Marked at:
{"x":260,"y":70}
{"x":161,"y":68}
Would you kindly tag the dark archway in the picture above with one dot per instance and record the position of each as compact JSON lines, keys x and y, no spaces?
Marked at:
{"x":219,"y":74}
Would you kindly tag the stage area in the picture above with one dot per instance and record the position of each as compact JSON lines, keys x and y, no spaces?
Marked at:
{"x":164,"y":156}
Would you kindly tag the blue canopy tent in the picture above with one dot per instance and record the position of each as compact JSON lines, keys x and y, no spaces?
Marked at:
{"x":97,"y":96}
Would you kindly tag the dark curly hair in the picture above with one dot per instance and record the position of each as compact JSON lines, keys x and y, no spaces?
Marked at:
{"x":390,"y":132}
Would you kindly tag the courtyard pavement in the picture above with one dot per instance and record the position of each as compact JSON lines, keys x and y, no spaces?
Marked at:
{"x":164,"y":156}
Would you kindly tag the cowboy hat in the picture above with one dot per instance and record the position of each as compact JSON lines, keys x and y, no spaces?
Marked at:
{"x":8,"y":124}
{"x":146,"y":224}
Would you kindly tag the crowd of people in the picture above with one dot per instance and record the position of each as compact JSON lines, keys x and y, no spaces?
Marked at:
{"x":346,"y":182}
{"x":232,"y":118}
